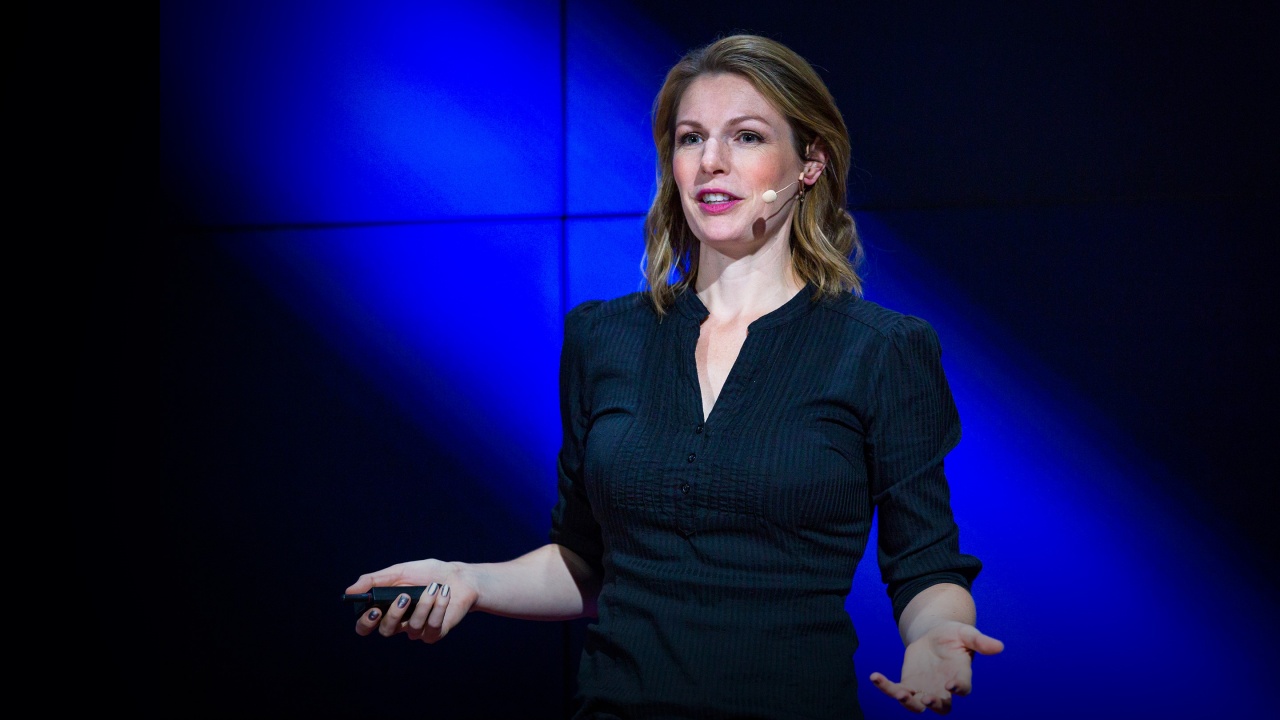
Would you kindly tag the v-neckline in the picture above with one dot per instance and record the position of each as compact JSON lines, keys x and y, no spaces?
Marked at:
{"x":692,"y":306}
{"x":734,"y":368}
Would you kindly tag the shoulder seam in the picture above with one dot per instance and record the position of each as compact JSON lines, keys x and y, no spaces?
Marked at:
{"x":844,"y":307}
{"x":622,"y":304}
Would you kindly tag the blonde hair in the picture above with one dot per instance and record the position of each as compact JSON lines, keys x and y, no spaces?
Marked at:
{"x":825,"y":249}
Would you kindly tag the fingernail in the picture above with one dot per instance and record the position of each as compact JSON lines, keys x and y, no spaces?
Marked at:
{"x":402,"y":601}
{"x":444,"y":591}
{"x":434,"y":587}
{"x":373,"y":614}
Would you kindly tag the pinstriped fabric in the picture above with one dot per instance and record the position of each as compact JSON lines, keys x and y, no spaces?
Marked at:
{"x":728,"y":545}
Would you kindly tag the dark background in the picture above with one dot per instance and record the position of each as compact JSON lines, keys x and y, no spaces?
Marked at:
{"x":1114,"y":166}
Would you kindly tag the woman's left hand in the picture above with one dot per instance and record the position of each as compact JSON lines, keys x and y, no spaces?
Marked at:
{"x":938,"y":665}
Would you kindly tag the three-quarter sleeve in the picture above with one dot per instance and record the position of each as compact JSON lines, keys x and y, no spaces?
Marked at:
{"x":572,"y":523}
{"x":914,"y":425}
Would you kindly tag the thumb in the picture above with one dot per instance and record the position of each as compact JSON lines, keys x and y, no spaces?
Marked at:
{"x":982,"y":644}
{"x":385,"y":577}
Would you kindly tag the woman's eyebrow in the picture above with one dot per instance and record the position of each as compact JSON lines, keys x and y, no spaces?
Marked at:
{"x":732,"y":121}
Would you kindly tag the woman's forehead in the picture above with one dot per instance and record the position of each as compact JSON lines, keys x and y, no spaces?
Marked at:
{"x":724,"y":97}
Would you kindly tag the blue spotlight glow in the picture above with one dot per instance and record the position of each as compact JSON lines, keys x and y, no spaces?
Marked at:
{"x":473,"y":362}
{"x":1086,"y":570}
{"x":290,"y":112}
{"x":612,"y":78}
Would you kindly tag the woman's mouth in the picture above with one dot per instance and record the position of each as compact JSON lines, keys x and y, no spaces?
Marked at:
{"x":717,"y":201}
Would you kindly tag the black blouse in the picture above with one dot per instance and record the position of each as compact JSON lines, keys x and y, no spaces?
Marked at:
{"x":728,"y":545}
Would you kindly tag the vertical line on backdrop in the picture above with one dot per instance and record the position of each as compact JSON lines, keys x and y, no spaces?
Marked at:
{"x":564,"y":156}
{"x":566,"y":629}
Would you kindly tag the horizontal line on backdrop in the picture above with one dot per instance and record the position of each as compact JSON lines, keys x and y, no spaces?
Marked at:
{"x":269,"y":227}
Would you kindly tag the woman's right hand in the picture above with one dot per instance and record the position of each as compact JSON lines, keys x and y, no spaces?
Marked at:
{"x":449,"y":595}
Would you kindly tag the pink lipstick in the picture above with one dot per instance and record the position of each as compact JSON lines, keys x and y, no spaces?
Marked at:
{"x":715,"y":201}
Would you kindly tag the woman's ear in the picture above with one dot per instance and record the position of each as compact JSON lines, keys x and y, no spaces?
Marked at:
{"x":815,"y":160}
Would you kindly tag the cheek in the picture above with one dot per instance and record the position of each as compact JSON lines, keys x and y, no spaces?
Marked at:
{"x":683,"y":170}
{"x":770,"y":174}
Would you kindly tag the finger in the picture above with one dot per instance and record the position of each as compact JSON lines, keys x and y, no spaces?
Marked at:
{"x":362,"y":584}
{"x":435,"y":622}
{"x":885,"y":685}
{"x":368,"y":622}
{"x":394,"y":616}
{"x":989,"y":646}
{"x":386,"y":577}
{"x":939,"y":702}
{"x":417,"y":623}
{"x":897,"y":691}
{"x":390,"y":576}
{"x":962,"y":682}
{"x":453,"y":615}
{"x":426,"y":605}
{"x":975,"y":640}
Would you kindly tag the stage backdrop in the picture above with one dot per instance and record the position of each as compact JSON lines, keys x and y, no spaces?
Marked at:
{"x":334,"y":346}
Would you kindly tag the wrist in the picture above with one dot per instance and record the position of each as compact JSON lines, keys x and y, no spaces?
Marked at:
{"x":934,"y":607}
{"x":925,"y":627}
{"x":457,"y":573}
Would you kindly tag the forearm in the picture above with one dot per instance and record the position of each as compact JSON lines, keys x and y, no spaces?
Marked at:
{"x":550,"y":583}
{"x":936,"y":604}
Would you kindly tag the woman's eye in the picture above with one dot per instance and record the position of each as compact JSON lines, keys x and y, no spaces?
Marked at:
{"x":689,"y":139}
{"x":750,"y":138}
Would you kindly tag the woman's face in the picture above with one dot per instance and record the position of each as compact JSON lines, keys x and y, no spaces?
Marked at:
{"x":731,"y":145}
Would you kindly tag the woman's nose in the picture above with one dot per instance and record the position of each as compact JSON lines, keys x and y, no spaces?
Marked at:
{"x":713,"y":159}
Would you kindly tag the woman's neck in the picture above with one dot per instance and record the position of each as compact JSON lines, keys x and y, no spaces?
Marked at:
{"x":750,"y":286}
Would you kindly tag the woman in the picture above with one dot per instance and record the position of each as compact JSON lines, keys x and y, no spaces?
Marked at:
{"x":728,"y":434}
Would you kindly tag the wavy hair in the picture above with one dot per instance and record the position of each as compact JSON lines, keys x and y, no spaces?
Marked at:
{"x":825,"y":249}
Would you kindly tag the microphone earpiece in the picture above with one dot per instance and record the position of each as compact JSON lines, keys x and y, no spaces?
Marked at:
{"x":772,"y":195}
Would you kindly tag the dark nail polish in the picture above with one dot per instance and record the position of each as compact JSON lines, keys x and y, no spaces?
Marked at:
{"x":373,"y":614}
{"x":402,"y":601}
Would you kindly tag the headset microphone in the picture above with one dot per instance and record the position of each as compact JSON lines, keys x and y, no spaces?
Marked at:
{"x":772,"y":195}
